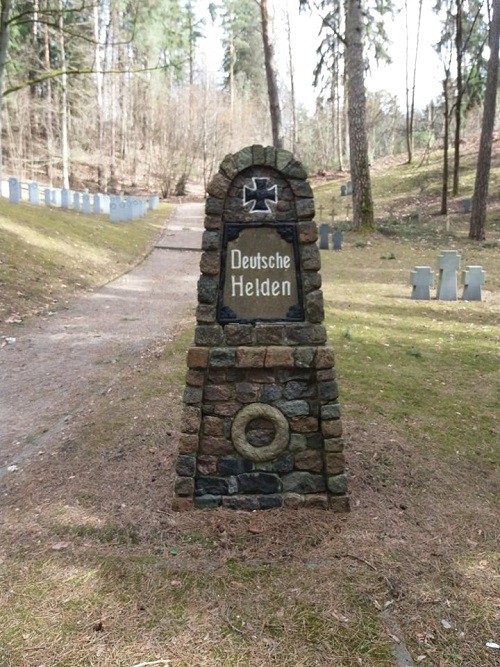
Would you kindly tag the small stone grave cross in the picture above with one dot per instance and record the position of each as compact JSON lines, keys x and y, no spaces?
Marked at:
{"x":324,"y":231}
{"x":86,"y":203}
{"x":14,"y":191}
{"x":448,"y":262}
{"x":472,"y":279}
{"x":260,"y":195}
{"x":65,"y":196}
{"x":34,"y":194}
{"x":114,"y":211}
{"x":422,"y":279}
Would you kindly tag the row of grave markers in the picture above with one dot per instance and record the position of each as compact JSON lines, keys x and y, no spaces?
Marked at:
{"x":119,"y":209}
{"x":324,"y":238}
{"x":422,"y":279}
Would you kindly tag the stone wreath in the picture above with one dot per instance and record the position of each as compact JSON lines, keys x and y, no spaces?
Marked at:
{"x":260,"y":411}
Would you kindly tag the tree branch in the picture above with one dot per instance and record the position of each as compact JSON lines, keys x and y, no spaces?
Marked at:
{"x":326,"y":23}
{"x":27,"y":12}
{"x":74,"y":72}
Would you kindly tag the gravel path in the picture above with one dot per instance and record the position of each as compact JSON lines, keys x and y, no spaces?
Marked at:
{"x":58,"y":362}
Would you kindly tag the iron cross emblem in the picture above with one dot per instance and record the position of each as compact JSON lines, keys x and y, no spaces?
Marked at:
{"x":260,"y":195}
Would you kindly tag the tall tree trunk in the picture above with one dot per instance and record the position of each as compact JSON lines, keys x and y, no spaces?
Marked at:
{"x":64,"y":100}
{"x":35,"y":90}
{"x":446,"y":139}
{"x":459,"y":97}
{"x":478,"y":214}
{"x":292,"y":83}
{"x":113,"y":114}
{"x":272,"y":82}
{"x":124,"y":104}
{"x":231,"y":81}
{"x":49,"y":111}
{"x":191,"y":42}
{"x":101,"y":172}
{"x":4,"y":46}
{"x":338,"y":106}
{"x":410,"y":100}
{"x":363,"y":217}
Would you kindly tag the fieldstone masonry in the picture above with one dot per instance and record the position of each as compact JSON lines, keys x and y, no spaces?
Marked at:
{"x":261,"y":423}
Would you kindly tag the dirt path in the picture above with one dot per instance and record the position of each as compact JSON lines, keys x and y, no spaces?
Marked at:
{"x":58,"y":363}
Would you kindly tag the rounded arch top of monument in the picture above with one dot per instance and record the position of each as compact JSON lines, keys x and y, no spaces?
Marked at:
{"x":260,"y":182}
{"x":262,"y":156}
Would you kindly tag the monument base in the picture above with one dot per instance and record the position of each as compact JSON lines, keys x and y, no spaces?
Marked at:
{"x":261,"y":429}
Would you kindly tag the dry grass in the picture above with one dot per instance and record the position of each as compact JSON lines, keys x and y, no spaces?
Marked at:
{"x":46,"y":255}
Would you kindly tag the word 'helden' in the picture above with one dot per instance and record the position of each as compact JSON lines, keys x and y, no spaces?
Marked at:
{"x":255,"y":287}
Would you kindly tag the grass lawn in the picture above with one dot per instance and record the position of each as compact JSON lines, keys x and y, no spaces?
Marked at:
{"x":96,"y":570}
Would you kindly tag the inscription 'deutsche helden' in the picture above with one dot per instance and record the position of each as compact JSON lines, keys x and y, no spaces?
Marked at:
{"x":260,"y":279}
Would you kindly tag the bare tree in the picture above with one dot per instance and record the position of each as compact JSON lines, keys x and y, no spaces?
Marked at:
{"x":293,"y":102}
{"x":271,"y":76}
{"x":64,"y":99}
{"x":5,"y":8}
{"x":446,"y":142}
{"x":410,"y":99}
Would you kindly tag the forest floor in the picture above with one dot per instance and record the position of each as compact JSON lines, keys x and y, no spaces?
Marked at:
{"x":96,"y":569}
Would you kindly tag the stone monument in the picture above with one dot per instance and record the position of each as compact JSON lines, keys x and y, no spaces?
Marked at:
{"x":261,"y":423}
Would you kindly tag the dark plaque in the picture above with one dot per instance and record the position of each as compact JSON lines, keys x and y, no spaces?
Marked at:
{"x":260,"y":278}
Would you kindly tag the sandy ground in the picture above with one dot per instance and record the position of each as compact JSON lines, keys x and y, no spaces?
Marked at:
{"x":58,"y":362}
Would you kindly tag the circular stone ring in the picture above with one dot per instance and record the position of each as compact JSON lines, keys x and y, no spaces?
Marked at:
{"x":260,"y":411}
